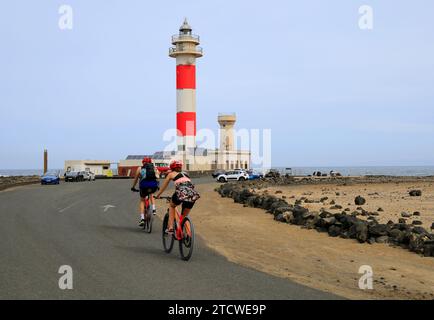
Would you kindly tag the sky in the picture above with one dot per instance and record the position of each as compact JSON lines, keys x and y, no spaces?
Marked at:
{"x":331,"y":93}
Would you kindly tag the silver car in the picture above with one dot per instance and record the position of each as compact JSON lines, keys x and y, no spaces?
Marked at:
{"x":88,"y":176}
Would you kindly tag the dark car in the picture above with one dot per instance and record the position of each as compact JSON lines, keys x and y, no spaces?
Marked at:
{"x":216,"y":173}
{"x":50,"y":178}
{"x":73,"y":176}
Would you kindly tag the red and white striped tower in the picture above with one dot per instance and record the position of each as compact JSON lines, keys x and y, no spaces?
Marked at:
{"x":185,"y":51}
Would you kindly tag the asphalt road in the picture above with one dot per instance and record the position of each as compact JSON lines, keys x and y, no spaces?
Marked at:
{"x":45,"y":227}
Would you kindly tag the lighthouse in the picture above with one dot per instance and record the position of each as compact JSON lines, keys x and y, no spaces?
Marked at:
{"x":185,"y":50}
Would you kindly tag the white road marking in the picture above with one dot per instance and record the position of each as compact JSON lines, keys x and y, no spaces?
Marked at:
{"x":108,"y":206}
{"x":71,"y":205}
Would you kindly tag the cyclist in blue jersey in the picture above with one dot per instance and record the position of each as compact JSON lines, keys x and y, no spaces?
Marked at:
{"x":147,"y":177}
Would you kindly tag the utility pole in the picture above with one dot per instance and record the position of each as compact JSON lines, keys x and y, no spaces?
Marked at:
{"x":45,"y":161}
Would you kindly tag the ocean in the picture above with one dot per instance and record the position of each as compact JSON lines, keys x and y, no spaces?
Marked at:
{"x":299,"y":171}
{"x":26,"y":172}
{"x":31,"y":172}
{"x":414,"y":171}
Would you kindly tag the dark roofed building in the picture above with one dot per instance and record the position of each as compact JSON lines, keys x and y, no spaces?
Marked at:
{"x":137,"y":157}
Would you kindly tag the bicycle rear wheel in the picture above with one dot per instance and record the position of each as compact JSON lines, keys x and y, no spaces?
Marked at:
{"x":167,"y":238}
{"x":186,"y":244}
{"x":148,"y":221}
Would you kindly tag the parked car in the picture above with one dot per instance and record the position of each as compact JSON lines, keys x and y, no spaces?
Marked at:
{"x":218,"y":172}
{"x":236,"y":175}
{"x":73,"y":176}
{"x":91,"y":176}
{"x":86,"y":176}
{"x":163,"y":169}
{"x":253,"y":175}
{"x":50,"y":178}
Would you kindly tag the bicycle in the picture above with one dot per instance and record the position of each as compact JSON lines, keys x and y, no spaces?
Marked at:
{"x":149,"y":216}
{"x":183,"y":232}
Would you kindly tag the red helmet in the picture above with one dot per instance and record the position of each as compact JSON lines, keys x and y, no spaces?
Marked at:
{"x":175,"y":164}
{"x":146,"y":160}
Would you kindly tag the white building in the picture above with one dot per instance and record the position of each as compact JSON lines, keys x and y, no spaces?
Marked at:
{"x":98,"y":167}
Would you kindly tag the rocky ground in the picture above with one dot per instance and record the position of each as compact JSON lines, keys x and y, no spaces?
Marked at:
{"x":252,"y":238}
{"x":341,"y":212}
{"x":338,"y":181}
{"x":9,"y":182}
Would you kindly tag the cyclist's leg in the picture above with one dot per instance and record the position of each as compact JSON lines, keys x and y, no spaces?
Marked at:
{"x":186,"y":208}
{"x":185,"y":211}
{"x":172,"y":207}
{"x":152,"y":202}
{"x":142,"y":206}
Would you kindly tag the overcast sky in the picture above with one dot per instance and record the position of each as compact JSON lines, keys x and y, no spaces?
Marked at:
{"x":331,"y":93}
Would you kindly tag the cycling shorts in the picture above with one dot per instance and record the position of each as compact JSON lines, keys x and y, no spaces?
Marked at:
{"x":144,"y":192}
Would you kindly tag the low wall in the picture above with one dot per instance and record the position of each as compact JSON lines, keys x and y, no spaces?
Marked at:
{"x":192,"y":174}
{"x":9,"y":182}
{"x":198,"y":174}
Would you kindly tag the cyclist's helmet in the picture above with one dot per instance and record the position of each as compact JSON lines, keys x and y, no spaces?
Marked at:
{"x":146,"y":160}
{"x":175,"y":164}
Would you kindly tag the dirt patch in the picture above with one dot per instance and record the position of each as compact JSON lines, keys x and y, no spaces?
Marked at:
{"x":251,"y":237}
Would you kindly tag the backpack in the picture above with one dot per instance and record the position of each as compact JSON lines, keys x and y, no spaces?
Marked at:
{"x":147,"y":174}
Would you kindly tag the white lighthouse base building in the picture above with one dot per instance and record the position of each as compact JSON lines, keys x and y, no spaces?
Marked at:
{"x":225,"y":157}
{"x":215,"y":159}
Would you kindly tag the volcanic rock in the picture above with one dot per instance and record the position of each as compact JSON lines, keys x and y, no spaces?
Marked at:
{"x":359,"y":201}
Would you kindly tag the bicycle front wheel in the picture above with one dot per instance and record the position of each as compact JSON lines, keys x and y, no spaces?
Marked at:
{"x":186,"y":244}
{"x":167,"y":238}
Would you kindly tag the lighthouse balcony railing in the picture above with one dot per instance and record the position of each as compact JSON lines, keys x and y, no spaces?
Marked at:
{"x":180,"y":37}
{"x":176,"y":50}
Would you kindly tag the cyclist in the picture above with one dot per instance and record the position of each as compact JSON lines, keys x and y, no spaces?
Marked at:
{"x":147,"y":175}
{"x":185,"y":193}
